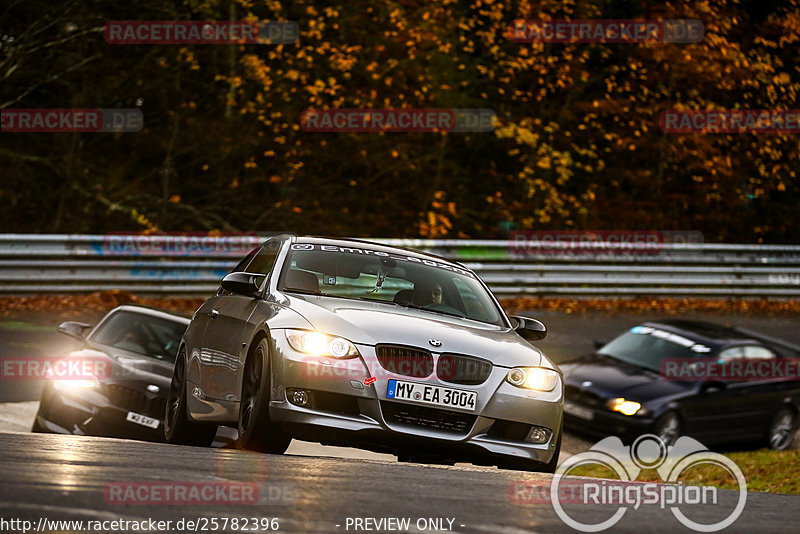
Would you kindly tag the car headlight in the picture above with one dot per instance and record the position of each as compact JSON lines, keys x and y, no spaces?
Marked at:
{"x":538,"y":378}
{"x":74,"y":385}
{"x":624,"y":406}
{"x":320,"y":344}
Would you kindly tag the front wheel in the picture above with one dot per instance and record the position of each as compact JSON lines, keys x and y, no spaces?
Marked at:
{"x":178,"y":429}
{"x":782,"y":430}
{"x":668,"y":428}
{"x":257,"y":431}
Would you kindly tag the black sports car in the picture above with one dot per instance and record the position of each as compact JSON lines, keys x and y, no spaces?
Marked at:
{"x":625,"y":388}
{"x":129,"y":398}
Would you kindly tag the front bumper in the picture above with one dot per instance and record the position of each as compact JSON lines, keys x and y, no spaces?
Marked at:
{"x":100,"y":412}
{"x":343,"y":410}
{"x":604,"y":423}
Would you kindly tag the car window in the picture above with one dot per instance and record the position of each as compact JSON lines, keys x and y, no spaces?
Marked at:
{"x":368,"y":274}
{"x":757,"y":352}
{"x":732,"y":353}
{"x":263,"y":261}
{"x":140,"y":333}
{"x":646,"y":346}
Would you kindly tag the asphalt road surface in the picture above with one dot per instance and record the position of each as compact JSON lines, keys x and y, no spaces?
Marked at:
{"x":47,"y":478}
{"x":51,"y":477}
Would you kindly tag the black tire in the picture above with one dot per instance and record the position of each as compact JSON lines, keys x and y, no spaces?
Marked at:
{"x":178,"y":429}
{"x":520,"y":464}
{"x":257,"y":431}
{"x":37,"y":428}
{"x":782,"y":430}
{"x":668,"y":427}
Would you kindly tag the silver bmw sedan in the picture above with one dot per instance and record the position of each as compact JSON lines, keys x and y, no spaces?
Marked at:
{"x":353,"y":343}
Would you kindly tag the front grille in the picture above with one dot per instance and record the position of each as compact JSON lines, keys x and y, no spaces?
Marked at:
{"x":407,"y":414}
{"x":509,"y":430}
{"x":406,"y":361}
{"x":135,"y":401}
{"x":459,"y":369}
{"x":580,"y":396}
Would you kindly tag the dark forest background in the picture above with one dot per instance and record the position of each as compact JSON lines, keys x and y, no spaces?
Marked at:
{"x":578,"y":145}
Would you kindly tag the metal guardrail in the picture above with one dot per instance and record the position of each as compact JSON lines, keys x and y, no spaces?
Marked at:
{"x":41,"y":263}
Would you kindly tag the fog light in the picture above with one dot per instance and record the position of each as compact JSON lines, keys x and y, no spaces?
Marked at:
{"x":538,"y":435}
{"x":298,"y":397}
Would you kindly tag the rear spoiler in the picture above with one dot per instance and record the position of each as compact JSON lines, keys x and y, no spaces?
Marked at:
{"x":769,"y":339}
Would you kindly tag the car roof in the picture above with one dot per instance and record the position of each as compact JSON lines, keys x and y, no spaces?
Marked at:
{"x":153,"y":312}
{"x":712,"y":335}
{"x":374,"y":246}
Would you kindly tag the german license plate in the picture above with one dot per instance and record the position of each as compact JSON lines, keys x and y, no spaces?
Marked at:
{"x":140,"y":419}
{"x":578,"y":411}
{"x":429,"y":394}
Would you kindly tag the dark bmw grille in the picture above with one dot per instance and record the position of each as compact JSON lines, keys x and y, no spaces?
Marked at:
{"x":575,"y":394}
{"x":459,"y":369}
{"x":446,"y":420}
{"x":406,"y":361}
{"x":135,"y":401}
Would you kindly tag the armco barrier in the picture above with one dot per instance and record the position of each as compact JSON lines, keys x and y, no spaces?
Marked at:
{"x":40,"y":263}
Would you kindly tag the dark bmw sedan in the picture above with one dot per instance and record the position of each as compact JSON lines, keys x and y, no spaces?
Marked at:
{"x":131,"y":353}
{"x":679,"y":377}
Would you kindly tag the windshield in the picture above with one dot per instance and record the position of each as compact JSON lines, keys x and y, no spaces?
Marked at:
{"x":393,"y":278}
{"x":143,"y":334}
{"x":646,"y":346}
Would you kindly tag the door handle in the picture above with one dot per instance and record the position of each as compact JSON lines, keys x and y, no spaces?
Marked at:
{"x":214,"y":314}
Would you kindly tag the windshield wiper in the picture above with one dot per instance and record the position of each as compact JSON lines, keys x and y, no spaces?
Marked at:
{"x":442,"y":312}
{"x":306,"y":292}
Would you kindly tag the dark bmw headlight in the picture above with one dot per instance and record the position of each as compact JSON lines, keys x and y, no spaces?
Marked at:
{"x":319,"y":344}
{"x":538,"y":378}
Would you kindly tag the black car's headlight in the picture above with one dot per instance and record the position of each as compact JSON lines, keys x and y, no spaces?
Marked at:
{"x":538,"y":378}
{"x":74,"y":385}
{"x":319,"y":344}
{"x":625,"y":406}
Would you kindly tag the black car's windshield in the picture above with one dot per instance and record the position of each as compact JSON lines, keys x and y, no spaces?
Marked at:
{"x":143,"y":334}
{"x":366,"y":274}
{"x":646,"y":346}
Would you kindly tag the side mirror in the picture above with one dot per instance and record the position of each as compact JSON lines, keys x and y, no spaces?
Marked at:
{"x":74,"y":329}
{"x":529,"y":329}
{"x":241,"y":284}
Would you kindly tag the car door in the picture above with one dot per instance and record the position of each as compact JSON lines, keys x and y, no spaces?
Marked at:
{"x":755,"y":400}
{"x":226,"y":334}
{"x":711,"y":414}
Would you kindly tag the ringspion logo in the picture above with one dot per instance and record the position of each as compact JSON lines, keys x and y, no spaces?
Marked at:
{"x":651,"y":453}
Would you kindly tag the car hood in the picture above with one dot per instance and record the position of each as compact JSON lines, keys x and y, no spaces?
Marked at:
{"x":610,"y":378}
{"x":371,"y":323}
{"x":129,"y":368}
